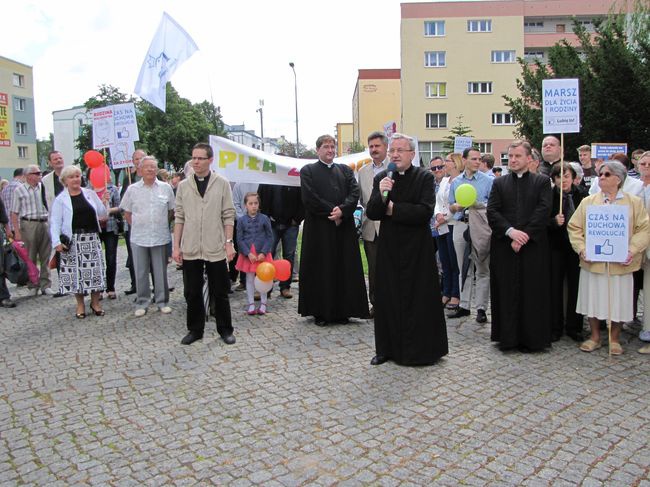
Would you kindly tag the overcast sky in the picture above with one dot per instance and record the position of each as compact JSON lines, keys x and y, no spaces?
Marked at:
{"x":244,"y":53}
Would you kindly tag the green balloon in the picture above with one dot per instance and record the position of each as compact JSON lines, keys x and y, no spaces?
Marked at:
{"x":465,"y":195}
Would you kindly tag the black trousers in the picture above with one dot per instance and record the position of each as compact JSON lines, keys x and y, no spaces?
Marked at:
{"x":218,"y":283}
{"x":565,"y":264}
{"x":129,"y":258}
{"x":110,"y":239}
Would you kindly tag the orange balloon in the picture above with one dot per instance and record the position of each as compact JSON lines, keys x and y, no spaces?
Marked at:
{"x":282,"y":269}
{"x":265,"y":271}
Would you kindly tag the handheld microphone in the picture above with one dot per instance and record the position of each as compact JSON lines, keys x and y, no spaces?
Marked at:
{"x":392,"y":167}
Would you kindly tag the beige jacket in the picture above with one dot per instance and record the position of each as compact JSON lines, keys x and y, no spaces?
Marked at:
{"x":48,"y":184}
{"x":369,"y":228}
{"x":638,"y":240}
{"x":204,"y":218}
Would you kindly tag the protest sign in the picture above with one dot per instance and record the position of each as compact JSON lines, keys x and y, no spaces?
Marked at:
{"x":122,"y":154}
{"x":607,"y":233}
{"x":560,"y":106}
{"x":461,"y":143}
{"x":605,"y":150}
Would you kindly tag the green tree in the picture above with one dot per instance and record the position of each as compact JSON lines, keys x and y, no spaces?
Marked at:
{"x":170,"y":135}
{"x":613,"y":65}
{"x":458,"y":130}
{"x":43,"y":148}
{"x":356,"y":147}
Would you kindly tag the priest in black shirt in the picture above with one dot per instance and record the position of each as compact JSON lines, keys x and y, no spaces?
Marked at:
{"x":410,"y":325}
{"x":332,"y":286}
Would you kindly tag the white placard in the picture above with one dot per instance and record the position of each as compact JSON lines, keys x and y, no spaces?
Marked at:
{"x":561,"y":106}
{"x":122,"y":154}
{"x":113,"y":124}
{"x":607,"y":233}
{"x":461,"y":143}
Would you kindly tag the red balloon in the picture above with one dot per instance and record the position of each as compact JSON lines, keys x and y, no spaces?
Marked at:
{"x":282,"y":269}
{"x":93,"y":159}
{"x":99,"y":176}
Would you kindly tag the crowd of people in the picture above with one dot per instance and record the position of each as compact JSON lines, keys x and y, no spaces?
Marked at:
{"x":519,"y":249}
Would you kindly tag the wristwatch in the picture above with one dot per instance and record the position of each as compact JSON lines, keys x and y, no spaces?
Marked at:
{"x":229,"y":241}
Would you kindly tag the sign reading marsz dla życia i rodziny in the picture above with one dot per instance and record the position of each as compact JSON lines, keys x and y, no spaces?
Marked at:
{"x":561,"y":106}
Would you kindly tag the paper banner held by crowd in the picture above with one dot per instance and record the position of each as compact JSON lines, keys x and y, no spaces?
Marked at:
{"x":242,"y":164}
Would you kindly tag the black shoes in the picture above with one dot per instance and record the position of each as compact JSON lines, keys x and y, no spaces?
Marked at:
{"x":130,"y":291}
{"x":459,"y":313}
{"x":555,"y":336}
{"x":318,"y":321}
{"x":7,"y":303}
{"x":190,"y":338}
{"x":229,"y":339}
{"x":481,"y":317}
{"x":378,"y":360}
{"x":59,"y":295}
{"x":576,"y":336}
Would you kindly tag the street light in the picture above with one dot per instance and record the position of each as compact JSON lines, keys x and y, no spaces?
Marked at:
{"x":295,"y":84}
{"x":261,"y":122}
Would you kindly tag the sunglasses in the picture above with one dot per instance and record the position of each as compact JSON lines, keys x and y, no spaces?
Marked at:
{"x":605,"y":174}
{"x":35,"y":173}
{"x":437,"y":168}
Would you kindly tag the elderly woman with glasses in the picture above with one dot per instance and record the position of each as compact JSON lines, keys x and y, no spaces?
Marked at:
{"x":74,"y":229}
{"x":605,"y":289}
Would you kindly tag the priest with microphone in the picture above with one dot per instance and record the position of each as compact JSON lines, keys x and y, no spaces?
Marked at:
{"x":409,"y":321}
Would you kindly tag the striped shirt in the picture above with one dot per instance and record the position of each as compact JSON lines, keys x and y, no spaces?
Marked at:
{"x":8,"y":197}
{"x":28,"y":202}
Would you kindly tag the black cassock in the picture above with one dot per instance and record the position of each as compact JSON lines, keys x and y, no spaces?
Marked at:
{"x":332,"y":285}
{"x":520,"y":282}
{"x":410,"y":325}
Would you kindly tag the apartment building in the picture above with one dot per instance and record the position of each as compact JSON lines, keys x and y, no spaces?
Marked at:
{"x":460,"y":58}
{"x":376,"y":102}
{"x":17,"y":120}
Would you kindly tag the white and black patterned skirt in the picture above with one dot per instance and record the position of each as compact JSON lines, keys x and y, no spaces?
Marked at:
{"x":82,"y":267}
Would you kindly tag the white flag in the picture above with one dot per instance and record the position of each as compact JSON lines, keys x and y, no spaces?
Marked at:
{"x":170,"y":47}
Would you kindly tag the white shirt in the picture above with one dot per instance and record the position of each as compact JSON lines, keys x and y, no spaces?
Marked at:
{"x":149,"y":207}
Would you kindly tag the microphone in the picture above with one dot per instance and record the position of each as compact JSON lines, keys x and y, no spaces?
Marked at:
{"x":392,"y":167}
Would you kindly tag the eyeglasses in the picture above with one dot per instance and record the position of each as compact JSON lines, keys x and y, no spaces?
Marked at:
{"x":200,"y":158}
{"x":35,"y":173}
{"x":437,"y":168}
{"x":399,"y":151}
{"x":605,"y":174}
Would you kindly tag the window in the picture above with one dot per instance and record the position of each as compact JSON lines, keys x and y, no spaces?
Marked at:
{"x":503,"y":56}
{"x":534,"y":24}
{"x":436,"y":120}
{"x":479,"y":87}
{"x":484,"y":147}
{"x":19,"y":80}
{"x":428,"y":150}
{"x":21,"y":128}
{"x":560,"y":28}
{"x":435,"y":90}
{"x":504,"y":159}
{"x":435,"y":59}
{"x":479,"y":26}
{"x":19,"y":104}
{"x":532,"y":56}
{"x":434,"y":28}
{"x":503,"y":119}
{"x":22,"y":152}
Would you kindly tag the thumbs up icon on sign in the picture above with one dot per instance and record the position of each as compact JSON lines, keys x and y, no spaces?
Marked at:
{"x":605,"y":249}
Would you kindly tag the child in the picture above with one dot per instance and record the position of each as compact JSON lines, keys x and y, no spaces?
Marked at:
{"x":254,"y":239}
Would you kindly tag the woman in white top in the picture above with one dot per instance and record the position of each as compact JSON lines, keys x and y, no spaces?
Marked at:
{"x":444,"y":224}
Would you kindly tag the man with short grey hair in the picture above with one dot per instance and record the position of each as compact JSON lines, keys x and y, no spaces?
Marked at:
{"x":148,"y":208}
{"x":29,"y":217}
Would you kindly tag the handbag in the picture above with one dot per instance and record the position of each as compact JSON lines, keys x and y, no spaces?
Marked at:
{"x":14,"y":268}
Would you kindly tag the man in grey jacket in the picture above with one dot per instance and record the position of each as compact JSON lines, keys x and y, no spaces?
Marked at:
{"x":203,"y":243}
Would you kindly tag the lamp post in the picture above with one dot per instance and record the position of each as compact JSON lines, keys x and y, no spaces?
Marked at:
{"x":261,"y":122}
{"x":295,"y":84}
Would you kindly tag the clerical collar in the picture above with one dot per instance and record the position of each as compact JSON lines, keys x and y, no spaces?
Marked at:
{"x":329,"y":166}
{"x":198,"y":178}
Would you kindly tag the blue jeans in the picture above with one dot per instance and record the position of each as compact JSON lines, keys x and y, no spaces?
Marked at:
{"x":450,"y":273}
{"x":289,"y":237}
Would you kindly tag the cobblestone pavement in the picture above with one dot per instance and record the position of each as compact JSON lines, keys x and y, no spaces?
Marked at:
{"x":118,"y":401}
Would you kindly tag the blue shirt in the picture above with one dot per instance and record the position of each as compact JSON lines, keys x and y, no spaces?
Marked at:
{"x":481,"y":182}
